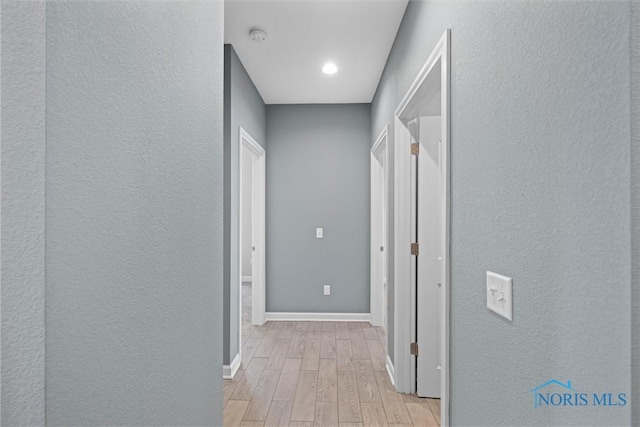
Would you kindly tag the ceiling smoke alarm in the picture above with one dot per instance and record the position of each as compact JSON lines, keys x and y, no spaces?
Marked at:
{"x":257,"y":34}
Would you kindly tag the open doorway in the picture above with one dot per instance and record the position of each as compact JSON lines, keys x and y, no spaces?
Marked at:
{"x":379,"y":217}
{"x":422,"y":304}
{"x":246,"y":260}
{"x":251,"y":246}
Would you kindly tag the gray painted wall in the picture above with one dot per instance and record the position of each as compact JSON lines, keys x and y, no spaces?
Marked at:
{"x":635,"y":207}
{"x":318,"y":176}
{"x":540,"y":168}
{"x":23,"y":214}
{"x":243,"y":106}
{"x":134,"y":213}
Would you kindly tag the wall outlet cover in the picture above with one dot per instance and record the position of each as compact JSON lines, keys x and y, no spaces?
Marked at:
{"x":500,"y":294}
{"x":327,"y":289}
{"x":319,"y":233}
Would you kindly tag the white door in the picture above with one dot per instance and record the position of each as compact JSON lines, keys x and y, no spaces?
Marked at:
{"x":429,"y":260}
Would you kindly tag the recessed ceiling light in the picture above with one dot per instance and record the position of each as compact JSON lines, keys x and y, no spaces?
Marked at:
{"x":329,"y":68}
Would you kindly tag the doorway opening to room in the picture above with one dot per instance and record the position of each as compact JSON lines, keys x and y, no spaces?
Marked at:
{"x":251,"y":246}
{"x":422,"y":227}
{"x":379,"y":225}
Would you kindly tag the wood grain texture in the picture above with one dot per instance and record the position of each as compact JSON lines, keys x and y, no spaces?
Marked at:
{"x":228,"y":386}
{"x":348,"y":399}
{"x":393,"y":404}
{"x":287,"y":330}
{"x":247,"y":384}
{"x":279,"y":414}
{"x":421,"y":415}
{"x":259,"y":331}
{"x":286,"y":389}
{"x":262,"y":396}
{"x":311,"y":356}
{"x":315,"y":326}
{"x":266,"y":346}
{"x":378,"y":357}
{"x":326,"y":414}
{"x":304,"y":404}
{"x":370,"y":333}
{"x":329,"y":326}
{"x":234,"y":411}
{"x":434,"y":406}
{"x":337,"y":388}
{"x":359,"y":345}
{"x":302,"y":326}
{"x":367,"y":385}
{"x":249,"y":350}
{"x":278,"y":354}
{"x":373,"y":415}
{"x":342,"y":329}
{"x":344,"y":356}
{"x":297,"y":345}
{"x":327,"y":381}
{"x":328,"y":345}
{"x":354,"y":326}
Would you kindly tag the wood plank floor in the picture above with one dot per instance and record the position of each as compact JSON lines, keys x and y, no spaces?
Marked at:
{"x":319,"y":374}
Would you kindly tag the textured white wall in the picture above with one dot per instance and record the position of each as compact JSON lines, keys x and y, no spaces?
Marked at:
{"x":23,"y":212}
{"x":635,"y":206}
{"x":540,"y":192}
{"x":134,"y":196}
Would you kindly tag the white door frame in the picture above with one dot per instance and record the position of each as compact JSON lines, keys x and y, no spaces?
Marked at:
{"x":404,"y":316}
{"x":379,"y":174}
{"x":258,"y":275}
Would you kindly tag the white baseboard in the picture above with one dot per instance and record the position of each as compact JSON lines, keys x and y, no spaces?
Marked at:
{"x":391,"y":371}
{"x":319,"y":317}
{"x":247,"y":279}
{"x":229,"y":371}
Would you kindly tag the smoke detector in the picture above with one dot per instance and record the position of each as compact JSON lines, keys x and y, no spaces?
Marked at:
{"x":257,"y":35}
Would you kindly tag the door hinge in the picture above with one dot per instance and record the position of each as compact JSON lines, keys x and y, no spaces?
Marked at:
{"x":414,"y":348}
{"x":415,"y":249}
{"x":415,"y":148}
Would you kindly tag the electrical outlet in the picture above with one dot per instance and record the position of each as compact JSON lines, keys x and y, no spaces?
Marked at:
{"x":319,"y":233}
{"x":327,"y":289}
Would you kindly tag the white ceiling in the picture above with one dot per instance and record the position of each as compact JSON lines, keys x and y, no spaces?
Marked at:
{"x":302,"y":35}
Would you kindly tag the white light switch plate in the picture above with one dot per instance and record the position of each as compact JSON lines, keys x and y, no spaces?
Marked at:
{"x":327,"y":289}
{"x":500,"y":294}
{"x":319,"y":233}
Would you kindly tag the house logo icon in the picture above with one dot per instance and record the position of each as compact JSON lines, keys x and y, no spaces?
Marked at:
{"x":546,"y":398}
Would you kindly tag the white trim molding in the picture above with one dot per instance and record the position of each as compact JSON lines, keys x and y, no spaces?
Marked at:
{"x":229,"y":371}
{"x":391,"y":371}
{"x":318,"y":317}
{"x":379,"y":184}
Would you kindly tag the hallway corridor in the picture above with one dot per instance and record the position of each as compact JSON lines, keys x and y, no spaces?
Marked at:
{"x":319,"y":374}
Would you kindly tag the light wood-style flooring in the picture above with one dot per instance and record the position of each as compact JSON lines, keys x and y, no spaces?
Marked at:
{"x":319,"y":374}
